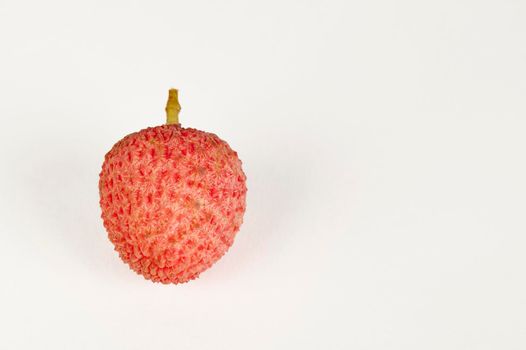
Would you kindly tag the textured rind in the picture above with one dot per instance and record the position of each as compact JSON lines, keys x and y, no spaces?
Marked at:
{"x":172,"y":201}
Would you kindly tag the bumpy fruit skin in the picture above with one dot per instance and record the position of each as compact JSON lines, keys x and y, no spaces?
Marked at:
{"x":172,"y":201}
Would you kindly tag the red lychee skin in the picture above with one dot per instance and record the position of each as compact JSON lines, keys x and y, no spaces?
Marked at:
{"x":172,"y":201}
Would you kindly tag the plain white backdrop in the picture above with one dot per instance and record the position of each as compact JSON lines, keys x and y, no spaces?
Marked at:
{"x":384,"y":144}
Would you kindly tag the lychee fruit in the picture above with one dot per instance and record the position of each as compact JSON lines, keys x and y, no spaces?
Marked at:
{"x":172,"y":199}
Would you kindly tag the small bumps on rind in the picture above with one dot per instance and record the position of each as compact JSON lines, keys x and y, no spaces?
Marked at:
{"x":172,"y":201}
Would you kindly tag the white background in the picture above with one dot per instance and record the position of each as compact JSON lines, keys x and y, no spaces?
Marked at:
{"x":384,"y":144}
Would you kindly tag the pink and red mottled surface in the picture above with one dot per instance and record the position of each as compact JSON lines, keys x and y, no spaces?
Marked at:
{"x":172,"y":201}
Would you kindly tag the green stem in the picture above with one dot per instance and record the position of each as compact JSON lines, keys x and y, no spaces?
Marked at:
{"x":172,"y":107}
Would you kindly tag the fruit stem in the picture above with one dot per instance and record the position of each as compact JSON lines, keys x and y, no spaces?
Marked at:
{"x":172,"y":107}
